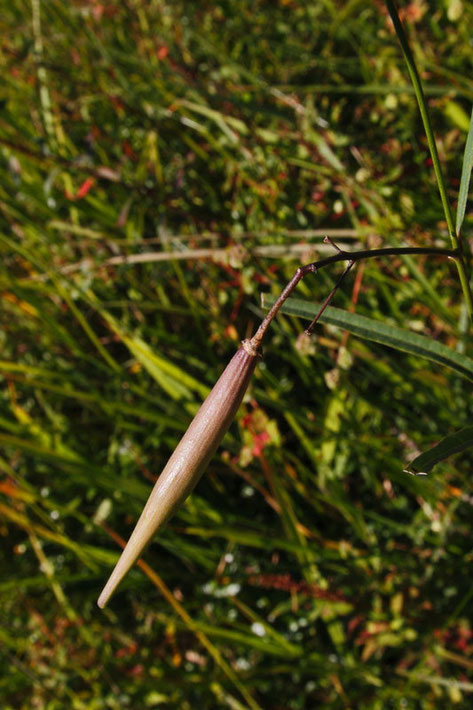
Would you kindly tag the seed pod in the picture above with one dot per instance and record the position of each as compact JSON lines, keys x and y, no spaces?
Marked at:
{"x":189,"y":460}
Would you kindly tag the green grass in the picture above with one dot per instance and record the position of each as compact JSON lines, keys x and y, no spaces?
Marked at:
{"x":306,"y":570}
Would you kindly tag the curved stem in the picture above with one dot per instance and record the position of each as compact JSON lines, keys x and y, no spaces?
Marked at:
{"x":419,"y":92}
{"x":416,"y":83}
{"x":352,"y":257}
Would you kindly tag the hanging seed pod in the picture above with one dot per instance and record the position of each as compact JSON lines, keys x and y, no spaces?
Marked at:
{"x":207,"y":429}
{"x":189,"y":460}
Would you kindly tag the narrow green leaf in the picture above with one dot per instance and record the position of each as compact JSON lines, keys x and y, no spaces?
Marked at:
{"x":175,"y":382}
{"x":81,"y":469}
{"x":451,"y":444}
{"x":465,"y":178}
{"x":220,"y":118}
{"x":157,"y":367}
{"x":251,"y":641}
{"x":457,"y":115}
{"x":379,"y":332}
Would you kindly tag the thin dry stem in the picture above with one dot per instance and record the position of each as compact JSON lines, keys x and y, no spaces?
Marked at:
{"x":352,"y":258}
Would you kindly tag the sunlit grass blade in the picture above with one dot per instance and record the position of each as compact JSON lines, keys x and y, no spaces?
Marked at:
{"x":378,"y":332}
{"x":88,"y":554}
{"x":465,"y":178}
{"x":74,"y":465}
{"x":175,"y":382}
{"x":451,"y":444}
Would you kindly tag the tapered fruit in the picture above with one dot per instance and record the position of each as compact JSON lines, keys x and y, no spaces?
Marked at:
{"x":189,"y":460}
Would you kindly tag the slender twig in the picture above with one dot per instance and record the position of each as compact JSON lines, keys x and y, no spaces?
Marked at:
{"x":269,"y":251}
{"x":352,"y":257}
{"x":300,"y":273}
{"x":332,"y":293}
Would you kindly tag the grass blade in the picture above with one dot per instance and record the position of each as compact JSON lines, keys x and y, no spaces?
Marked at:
{"x":465,"y":178}
{"x":379,"y":332}
{"x":191,"y":624}
{"x":174,"y":381}
{"x":451,"y":444}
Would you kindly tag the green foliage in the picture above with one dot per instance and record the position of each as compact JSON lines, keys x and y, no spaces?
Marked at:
{"x":162,"y":164}
{"x":379,"y":332}
{"x":451,"y":444}
{"x":465,"y":178}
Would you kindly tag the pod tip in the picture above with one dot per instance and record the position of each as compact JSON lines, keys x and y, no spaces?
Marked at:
{"x":103,"y":598}
{"x":112,"y":583}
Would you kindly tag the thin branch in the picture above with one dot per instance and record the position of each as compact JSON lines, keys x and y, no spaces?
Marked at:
{"x":332,"y":293}
{"x":352,"y":257}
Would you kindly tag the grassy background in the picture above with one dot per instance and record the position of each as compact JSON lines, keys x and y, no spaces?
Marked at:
{"x":162,"y":164}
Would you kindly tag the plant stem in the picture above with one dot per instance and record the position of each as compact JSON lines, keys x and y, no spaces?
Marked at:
{"x":416,"y":83}
{"x":352,"y":257}
{"x":332,"y":293}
